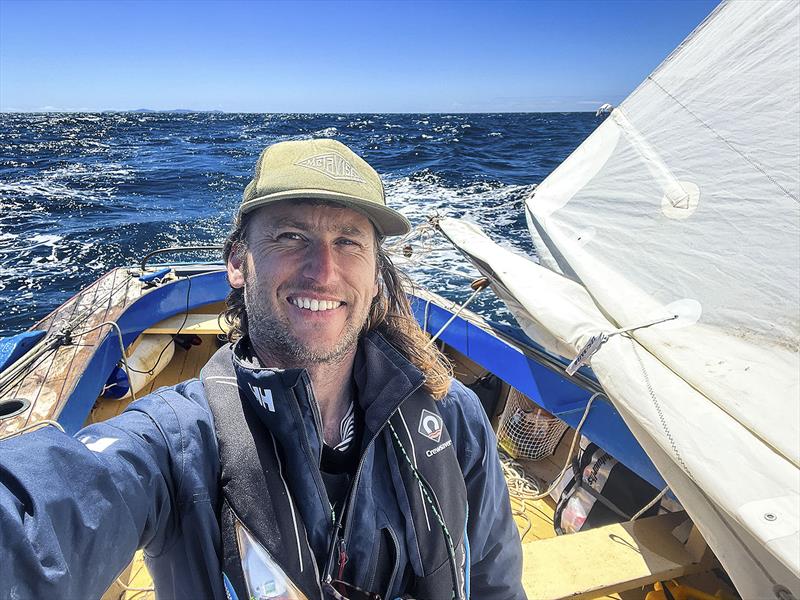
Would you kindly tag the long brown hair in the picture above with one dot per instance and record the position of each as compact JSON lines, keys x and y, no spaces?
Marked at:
{"x":390,"y":314}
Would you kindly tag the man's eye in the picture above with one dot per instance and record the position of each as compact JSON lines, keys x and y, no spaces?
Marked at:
{"x":349,"y":242}
{"x":290,"y":235}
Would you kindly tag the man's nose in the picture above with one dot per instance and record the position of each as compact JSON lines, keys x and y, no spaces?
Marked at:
{"x":320,"y":263}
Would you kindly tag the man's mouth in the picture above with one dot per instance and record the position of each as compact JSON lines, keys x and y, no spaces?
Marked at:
{"x":314,"y":304}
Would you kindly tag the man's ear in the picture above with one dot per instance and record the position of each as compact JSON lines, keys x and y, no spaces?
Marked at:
{"x":235,"y":267}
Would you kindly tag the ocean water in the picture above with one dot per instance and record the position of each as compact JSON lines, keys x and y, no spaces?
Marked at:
{"x":83,"y":193}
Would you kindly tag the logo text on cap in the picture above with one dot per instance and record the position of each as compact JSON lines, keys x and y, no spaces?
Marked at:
{"x":333,"y":165}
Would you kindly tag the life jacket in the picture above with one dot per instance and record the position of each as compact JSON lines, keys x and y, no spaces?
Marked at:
{"x":280,"y":536}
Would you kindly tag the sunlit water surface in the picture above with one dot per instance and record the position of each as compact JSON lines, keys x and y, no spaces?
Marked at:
{"x":83,"y":193}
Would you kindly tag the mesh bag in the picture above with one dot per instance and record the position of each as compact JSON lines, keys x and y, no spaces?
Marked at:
{"x":527,"y":431}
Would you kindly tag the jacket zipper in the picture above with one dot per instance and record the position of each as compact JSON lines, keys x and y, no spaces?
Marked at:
{"x":348,"y":525}
{"x":315,"y":461}
{"x":314,"y":409}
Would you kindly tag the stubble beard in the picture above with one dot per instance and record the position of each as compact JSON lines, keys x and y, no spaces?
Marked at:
{"x":272,"y":336}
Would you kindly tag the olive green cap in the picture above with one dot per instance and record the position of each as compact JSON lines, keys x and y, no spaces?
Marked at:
{"x":322,"y":169}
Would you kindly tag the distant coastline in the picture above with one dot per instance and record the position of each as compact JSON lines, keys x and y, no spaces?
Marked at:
{"x":111,"y":111}
{"x":173,"y":110}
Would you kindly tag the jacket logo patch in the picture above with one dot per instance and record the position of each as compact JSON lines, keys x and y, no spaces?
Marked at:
{"x":97,"y":444}
{"x":264,"y":398}
{"x":430,"y":425}
{"x":333,"y":165}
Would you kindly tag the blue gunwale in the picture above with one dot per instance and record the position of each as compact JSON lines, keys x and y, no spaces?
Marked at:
{"x":554,"y":392}
{"x":551,"y":390}
{"x":158,"y":304}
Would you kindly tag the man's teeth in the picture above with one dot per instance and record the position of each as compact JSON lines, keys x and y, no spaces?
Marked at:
{"x":315,"y":305}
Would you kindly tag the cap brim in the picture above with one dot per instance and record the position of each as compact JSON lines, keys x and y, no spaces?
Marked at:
{"x":386,"y":220}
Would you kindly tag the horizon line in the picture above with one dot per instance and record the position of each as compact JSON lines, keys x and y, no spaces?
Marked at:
{"x":227,"y":112}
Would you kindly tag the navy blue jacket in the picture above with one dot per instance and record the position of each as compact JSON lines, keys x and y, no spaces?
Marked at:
{"x":74,"y":510}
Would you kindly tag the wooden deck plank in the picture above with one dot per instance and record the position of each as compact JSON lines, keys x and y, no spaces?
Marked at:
{"x":88,"y":343}
{"x":42,"y":384}
{"x":50,"y":382}
{"x":537,"y":522}
{"x":30,"y":384}
{"x":28,"y":388}
{"x":50,"y":392}
{"x":197,"y":358}
{"x":607,"y":559}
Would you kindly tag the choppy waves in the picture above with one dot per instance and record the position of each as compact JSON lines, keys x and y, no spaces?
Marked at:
{"x":83,"y":193}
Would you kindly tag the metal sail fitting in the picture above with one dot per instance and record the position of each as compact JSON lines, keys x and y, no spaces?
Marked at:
{"x":595,"y":342}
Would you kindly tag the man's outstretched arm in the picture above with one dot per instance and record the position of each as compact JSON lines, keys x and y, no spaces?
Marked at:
{"x":74,"y":510}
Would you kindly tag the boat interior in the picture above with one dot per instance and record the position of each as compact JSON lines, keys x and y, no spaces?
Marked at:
{"x":627,"y":561}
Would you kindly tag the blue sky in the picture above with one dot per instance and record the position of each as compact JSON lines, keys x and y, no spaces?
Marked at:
{"x":403,"y":56}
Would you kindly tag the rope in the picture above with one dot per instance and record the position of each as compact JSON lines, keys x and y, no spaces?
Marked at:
{"x":15,"y":374}
{"x":128,"y":588}
{"x":182,"y":325}
{"x":570,"y":453}
{"x":650,"y":504}
{"x":521,"y":489}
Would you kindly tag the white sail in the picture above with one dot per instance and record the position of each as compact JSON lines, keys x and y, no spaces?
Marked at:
{"x":726,"y":478}
{"x":686,"y":200}
{"x":690,"y":190}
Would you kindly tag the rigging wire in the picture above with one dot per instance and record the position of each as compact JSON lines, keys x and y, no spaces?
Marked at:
{"x":180,"y":328}
{"x":478,"y":286}
{"x":129,"y":588}
{"x":17,"y":374}
{"x":18,"y":377}
{"x":124,"y":358}
{"x":427,"y":265}
{"x":31,"y":427}
{"x":19,"y":371}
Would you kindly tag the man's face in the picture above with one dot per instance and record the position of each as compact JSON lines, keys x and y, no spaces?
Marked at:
{"x":309,"y":277}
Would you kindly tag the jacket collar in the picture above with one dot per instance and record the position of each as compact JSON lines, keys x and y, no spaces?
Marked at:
{"x":383,"y":377}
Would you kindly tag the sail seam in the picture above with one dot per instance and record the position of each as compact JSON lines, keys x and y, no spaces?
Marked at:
{"x":730,"y":145}
{"x":661,"y":417}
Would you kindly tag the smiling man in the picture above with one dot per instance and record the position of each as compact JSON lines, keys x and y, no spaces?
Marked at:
{"x":326,"y":452}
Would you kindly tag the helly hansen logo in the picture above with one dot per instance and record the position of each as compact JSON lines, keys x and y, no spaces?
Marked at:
{"x":333,"y":165}
{"x":430,"y":425}
{"x":264,"y":398}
